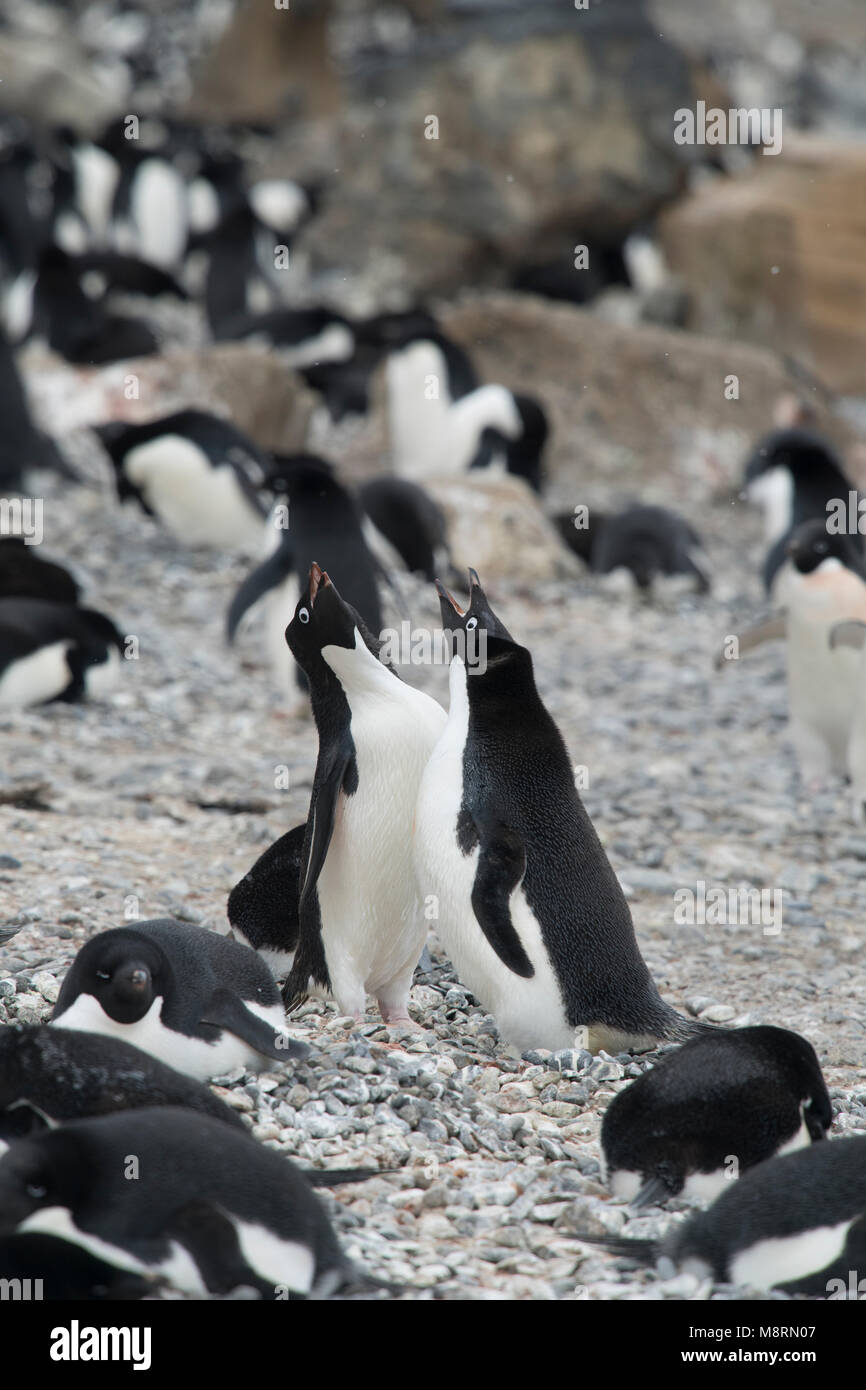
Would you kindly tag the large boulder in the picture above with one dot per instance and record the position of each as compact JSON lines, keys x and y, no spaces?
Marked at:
{"x":496,"y":525}
{"x":467,"y":137}
{"x":775,"y":256}
{"x":632,"y":408}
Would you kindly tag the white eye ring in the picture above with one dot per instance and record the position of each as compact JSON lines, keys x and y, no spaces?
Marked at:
{"x":473,"y":622}
{"x":103,"y":975}
{"x":304,"y":615}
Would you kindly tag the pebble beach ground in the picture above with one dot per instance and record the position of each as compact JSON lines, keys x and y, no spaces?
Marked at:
{"x":156,"y":801}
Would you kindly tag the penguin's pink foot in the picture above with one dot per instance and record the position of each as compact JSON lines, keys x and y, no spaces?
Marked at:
{"x":397,"y":1017}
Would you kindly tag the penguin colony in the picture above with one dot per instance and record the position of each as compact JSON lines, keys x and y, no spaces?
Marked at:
{"x":474,"y":806}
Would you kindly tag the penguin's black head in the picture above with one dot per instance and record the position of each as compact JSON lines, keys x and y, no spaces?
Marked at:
{"x":475,"y":632}
{"x":324,"y":619}
{"x":804,"y":454}
{"x":124,"y":972}
{"x":35,"y":1173}
{"x":294,"y":475}
{"x":812,"y":544}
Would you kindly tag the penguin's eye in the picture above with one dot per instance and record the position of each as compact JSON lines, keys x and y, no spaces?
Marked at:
{"x":103,"y":975}
{"x":36,"y":1191}
{"x":304,"y":615}
{"x":472,"y":623}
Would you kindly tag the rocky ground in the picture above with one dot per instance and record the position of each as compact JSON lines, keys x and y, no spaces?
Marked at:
{"x":158,"y":800}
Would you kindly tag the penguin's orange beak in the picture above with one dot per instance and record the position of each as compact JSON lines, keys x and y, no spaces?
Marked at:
{"x":449,"y":598}
{"x":318,"y":579}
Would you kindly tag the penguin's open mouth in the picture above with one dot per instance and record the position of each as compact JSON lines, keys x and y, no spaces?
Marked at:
{"x":443,"y":593}
{"x":318,"y":579}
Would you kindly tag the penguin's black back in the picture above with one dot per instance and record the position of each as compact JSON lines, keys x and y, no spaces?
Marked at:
{"x":647,"y":541}
{"x":199,"y":961}
{"x":68,"y":1075}
{"x":736,"y":1091}
{"x":24,"y":574}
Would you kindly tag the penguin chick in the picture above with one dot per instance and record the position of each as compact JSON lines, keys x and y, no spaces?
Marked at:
{"x":198,"y":1001}
{"x":744,"y":1094}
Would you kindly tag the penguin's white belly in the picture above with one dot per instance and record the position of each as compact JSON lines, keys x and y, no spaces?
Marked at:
{"x":418,"y":406}
{"x":280,"y":604}
{"x":159,"y":211}
{"x":193,"y":1056}
{"x":529,"y":1012}
{"x":857,"y":745}
{"x":780,"y":1259}
{"x":199,"y":504}
{"x":373,"y":924}
{"x":101,"y":679}
{"x":33,"y":679}
{"x":823,"y":692}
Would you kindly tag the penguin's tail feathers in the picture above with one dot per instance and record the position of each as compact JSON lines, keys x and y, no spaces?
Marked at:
{"x":644,"y":1252}
{"x":332,"y":1177}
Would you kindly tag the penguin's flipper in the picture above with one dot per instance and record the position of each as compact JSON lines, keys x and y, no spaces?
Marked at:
{"x":769,"y":631}
{"x":259,"y":581}
{"x":501,"y":866}
{"x":337,"y":765}
{"x":226,"y":1011}
{"x":848,"y":634}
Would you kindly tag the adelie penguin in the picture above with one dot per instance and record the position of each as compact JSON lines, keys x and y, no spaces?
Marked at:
{"x":646,"y":542}
{"x":263,"y":905}
{"x":711,"y":1109}
{"x":824,"y":583}
{"x":529,"y":909}
{"x":55,"y":651}
{"x":198,"y":473}
{"x":792,"y":474}
{"x":209,"y":1209}
{"x":361,"y":923}
{"x":326,"y":526}
{"x":200,"y":1002}
{"x":795,"y":1223}
{"x":51,"y":1075}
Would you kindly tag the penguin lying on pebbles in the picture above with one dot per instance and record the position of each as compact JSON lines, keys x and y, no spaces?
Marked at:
{"x":209,"y":1210}
{"x":361,"y":924}
{"x":55,"y":651}
{"x":795,"y":1223}
{"x":529,"y":909}
{"x":25,"y":574}
{"x":57,"y":1074}
{"x":792,"y":474}
{"x":648,"y":542}
{"x":200,"y":1002}
{"x":198,"y":473}
{"x":263,"y":905}
{"x":713,"y":1108}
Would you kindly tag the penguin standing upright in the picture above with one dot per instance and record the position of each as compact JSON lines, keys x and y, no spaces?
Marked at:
{"x":530,"y":910}
{"x":324,"y":520}
{"x":198,"y":1001}
{"x":824,"y":583}
{"x":741,"y":1093}
{"x":792,"y":474}
{"x":361,"y":927}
